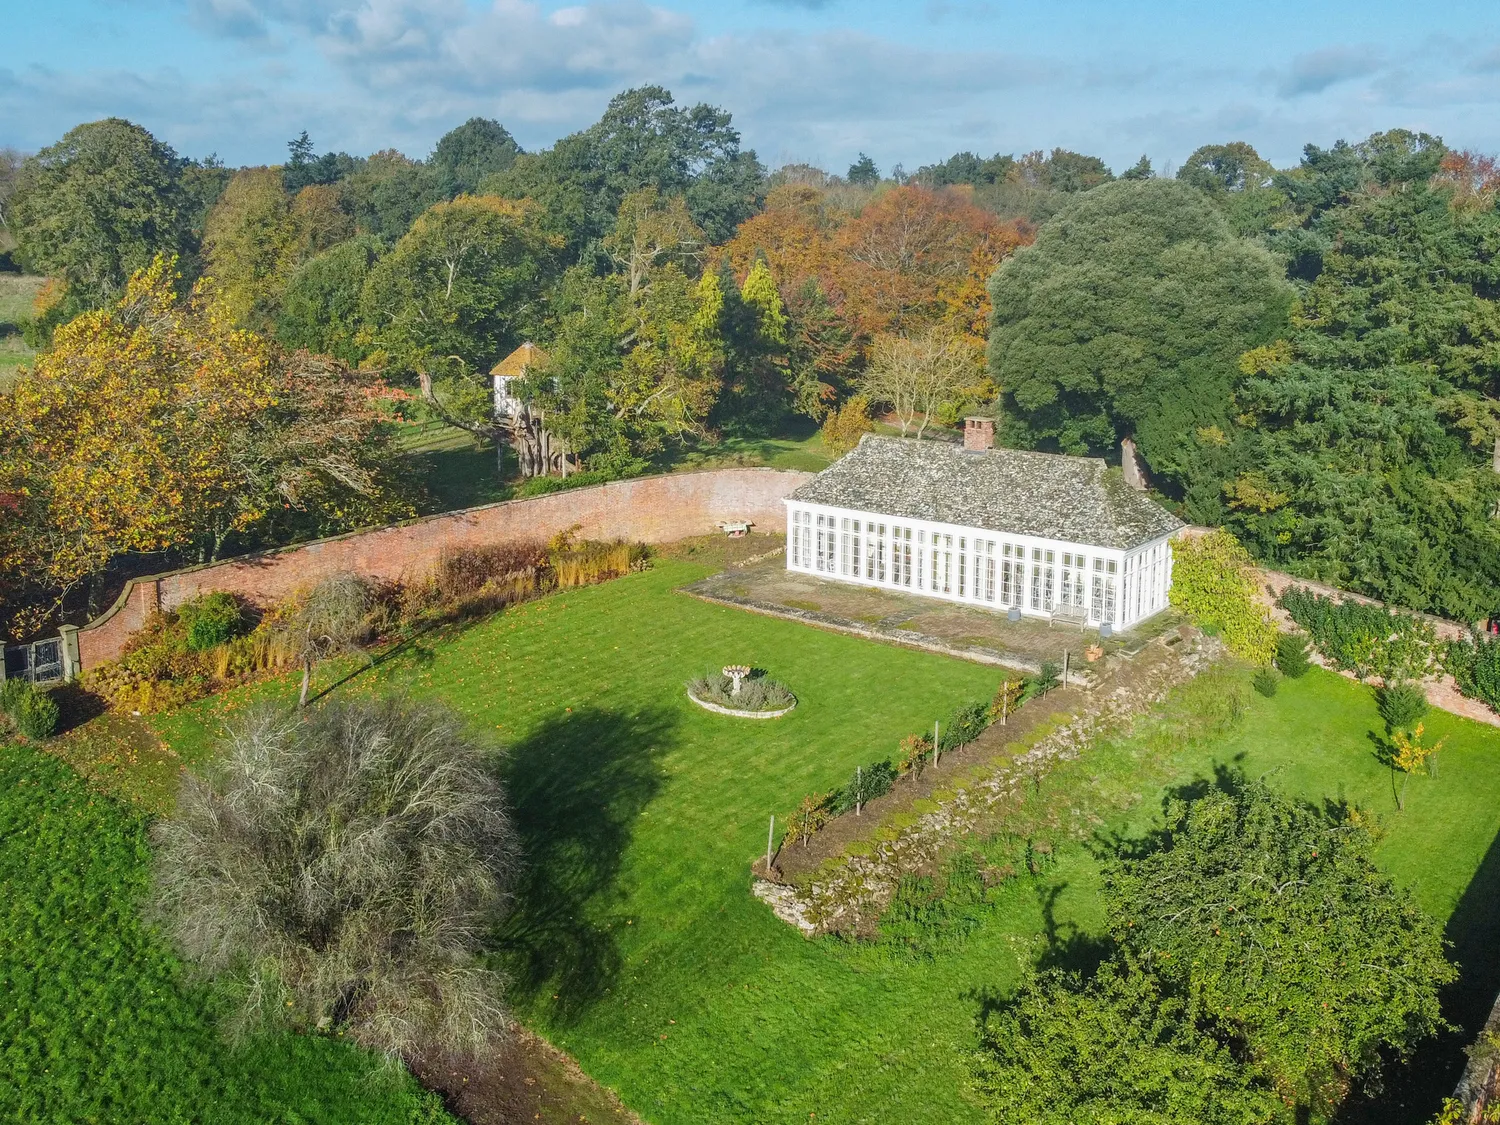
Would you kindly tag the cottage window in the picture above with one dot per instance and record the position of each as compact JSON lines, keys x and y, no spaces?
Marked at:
{"x":963,"y":558}
{"x":1096,"y":603}
{"x":1036,"y":578}
{"x":1109,"y":590}
{"x":1047,"y":581}
{"x":870,"y":550}
{"x":819,"y":556}
{"x":989,"y":570}
{"x":906,"y":557}
{"x":921,"y":557}
{"x":880,"y":554}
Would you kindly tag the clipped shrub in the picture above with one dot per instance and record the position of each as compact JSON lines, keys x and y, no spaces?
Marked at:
{"x":1265,"y":681}
{"x":210,"y":620}
{"x":1368,"y":640}
{"x":1291,"y":655}
{"x":913,"y":754}
{"x":1475,"y":665}
{"x":11,"y":692}
{"x":1214,"y":583}
{"x":868,"y":782}
{"x":33,"y":712}
{"x":963,"y":726}
{"x":1034,"y":687}
{"x":1401,"y":705}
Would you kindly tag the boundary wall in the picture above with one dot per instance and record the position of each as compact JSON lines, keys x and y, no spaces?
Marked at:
{"x":656,"y":509}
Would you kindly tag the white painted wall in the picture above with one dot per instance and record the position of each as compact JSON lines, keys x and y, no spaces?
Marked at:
{"x":972,"y":566}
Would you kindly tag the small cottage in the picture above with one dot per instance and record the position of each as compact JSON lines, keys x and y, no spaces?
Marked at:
{"x":510,"y":371}
{"x":1042,"y":534}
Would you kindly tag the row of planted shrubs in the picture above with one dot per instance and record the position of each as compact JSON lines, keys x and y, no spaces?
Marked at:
{"x":916,"y":751}
{"x":216,"y":639}
{"x":1372,"y":641}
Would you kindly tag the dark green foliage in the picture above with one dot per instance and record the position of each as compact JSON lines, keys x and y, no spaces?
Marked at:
{"x":1044,"y":681}
{"x":388,"y":192}
{"x":1112,"y":1049}
{"x":96,"y":1024}
{"x":643,"y":140}
{"x":466,"y":155}
{"x":1129,"y":315}
{"x":1291,"y":655}
{"x":928,"y":915}
{"x":1475,"y":665}
{"x":963,"y":726}
{"x":864,"y":785}
{"x":34,"y":712}
{"x":1265,"y":681}
{"x":1368,"y":640}
{"x":863,"y":173}
{"x":99,"y":205}
{"x":1268,"y":917}
{"x":320,"y":308}
{"x":1365,"y":459}
{"x":211,"y":620}
{"x":1402,"y":705}
{"x":304,"y":167}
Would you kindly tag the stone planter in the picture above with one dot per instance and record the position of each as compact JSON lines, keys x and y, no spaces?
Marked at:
{"x":719,"y":710}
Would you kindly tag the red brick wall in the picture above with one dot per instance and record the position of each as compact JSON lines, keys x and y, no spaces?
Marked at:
{"x":648,"y":509}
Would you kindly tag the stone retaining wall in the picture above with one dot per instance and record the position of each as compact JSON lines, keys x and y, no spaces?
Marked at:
{"x":656,"y":509}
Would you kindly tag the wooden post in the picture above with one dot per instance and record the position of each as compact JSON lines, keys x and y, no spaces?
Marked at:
{"x":859,"y":787}
{"x":937,"y":751}
{"x":1005,"y":704}
{"x":1065,"y":667}
{"x":770,"y":836}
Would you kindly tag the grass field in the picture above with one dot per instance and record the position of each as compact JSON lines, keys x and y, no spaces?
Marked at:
{"x":96,"y":1024}
{"x":17,"y":291}
{"x":636,"y":945}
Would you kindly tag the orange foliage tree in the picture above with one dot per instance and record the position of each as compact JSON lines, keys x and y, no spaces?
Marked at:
{"x":911,"y":259}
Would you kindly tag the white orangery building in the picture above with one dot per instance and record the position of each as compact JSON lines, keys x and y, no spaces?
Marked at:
{"x":1042,"y":534}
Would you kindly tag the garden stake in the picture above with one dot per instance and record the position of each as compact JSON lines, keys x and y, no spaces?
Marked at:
{"x":770,"y":835}
{"x":1065,"y":667}
{"x":937,"y":750}
{"x":1005,"y":704}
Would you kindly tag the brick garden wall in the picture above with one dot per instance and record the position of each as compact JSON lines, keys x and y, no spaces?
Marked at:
{"x":648,"y":509}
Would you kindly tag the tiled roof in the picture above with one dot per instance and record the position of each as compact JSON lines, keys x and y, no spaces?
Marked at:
{"x":527,"y":355}
{"x":1010,"y":491}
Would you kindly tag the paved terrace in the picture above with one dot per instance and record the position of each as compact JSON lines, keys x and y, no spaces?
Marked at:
{"x":981,"y":635}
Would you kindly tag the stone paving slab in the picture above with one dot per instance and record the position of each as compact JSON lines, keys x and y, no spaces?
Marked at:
{"x":967,"y":632}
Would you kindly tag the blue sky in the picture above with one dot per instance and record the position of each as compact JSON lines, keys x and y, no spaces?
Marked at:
{"x":806,"y":80}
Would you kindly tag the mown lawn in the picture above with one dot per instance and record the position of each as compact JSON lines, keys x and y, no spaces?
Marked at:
{"x":96,"y":1023}
{"x":636,"y":945}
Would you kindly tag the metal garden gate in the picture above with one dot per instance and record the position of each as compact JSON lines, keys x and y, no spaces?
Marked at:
{"x":40,"y":662}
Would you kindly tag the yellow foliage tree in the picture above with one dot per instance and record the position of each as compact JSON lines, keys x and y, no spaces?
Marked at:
{"x":155,"y":424}
{"x":1214,"y":583}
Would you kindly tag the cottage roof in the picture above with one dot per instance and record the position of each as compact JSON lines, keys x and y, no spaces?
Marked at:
{"x":1010,"y":491}
{"x":527,"y":355}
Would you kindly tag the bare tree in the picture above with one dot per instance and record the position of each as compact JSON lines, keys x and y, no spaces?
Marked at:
{"x":915,"y":375}
{"x":341,"y":869}
{"x":327,"y":621}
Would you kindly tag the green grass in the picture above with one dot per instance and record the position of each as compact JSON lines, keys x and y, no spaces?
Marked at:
{"x":798,"y":446}
{"x":95,"y":1021}
{"x":17,"y":291}
{"x":636,"y":945}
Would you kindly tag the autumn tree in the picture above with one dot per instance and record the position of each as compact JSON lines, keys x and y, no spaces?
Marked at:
{"x":155,"y":424}
{"x":97,"y":206}
{"x":916,"y":375}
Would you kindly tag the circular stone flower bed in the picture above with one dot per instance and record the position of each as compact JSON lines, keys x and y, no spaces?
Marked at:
{"x":741,"y":691}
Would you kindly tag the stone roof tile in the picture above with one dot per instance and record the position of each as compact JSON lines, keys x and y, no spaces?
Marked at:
{"x":1009,"y":491}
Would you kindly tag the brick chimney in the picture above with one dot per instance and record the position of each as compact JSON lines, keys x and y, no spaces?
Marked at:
{"x":1130,"y":466}
{"x":979,"y":433}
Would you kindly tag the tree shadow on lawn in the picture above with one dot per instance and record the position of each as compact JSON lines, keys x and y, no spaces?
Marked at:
{"x":577,"y":785}
{"x":1415,"y":1090}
